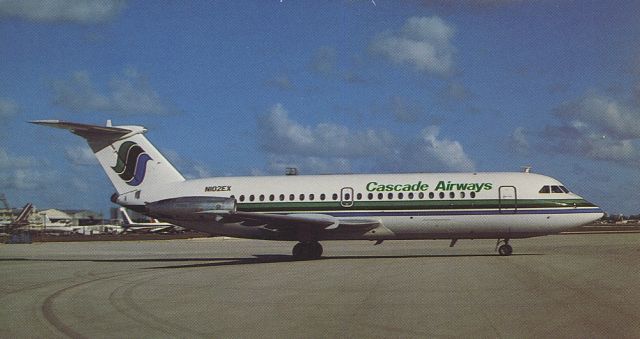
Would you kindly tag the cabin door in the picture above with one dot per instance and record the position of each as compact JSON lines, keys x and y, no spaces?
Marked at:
{"x":508,"y":199}
{"x":346,"y":197}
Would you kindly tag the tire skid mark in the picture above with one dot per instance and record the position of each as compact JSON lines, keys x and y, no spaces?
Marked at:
{"x":48,"y":283}
{"x":122,"y":299}
{"x":53,"y":319}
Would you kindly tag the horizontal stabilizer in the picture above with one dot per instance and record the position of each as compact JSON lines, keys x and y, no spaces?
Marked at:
{"x":98,"y":137}
{"x":84,"y":130}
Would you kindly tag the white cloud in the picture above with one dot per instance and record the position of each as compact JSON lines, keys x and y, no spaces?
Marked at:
{"x":447,"y":152}
{"x":331,"y":148}
{"x":597,"y":127}
{"x":78,"y":11}
{"x":603,"y":115}
{"x":8,"y":108}
{"x":423,"y":42}
{"x":8,"y":162}
{"x":189,"y":168}
{"x":518,"y":141}
{"x":127,"y":93}
{"x":276,"y":164}
{"x":281,"y":135}
{"x":21,"y":173}
{"x":81,"y":155}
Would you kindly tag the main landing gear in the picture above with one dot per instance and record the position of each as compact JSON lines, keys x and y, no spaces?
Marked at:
{"x":307,"y":250}
{"x":505,"y":249}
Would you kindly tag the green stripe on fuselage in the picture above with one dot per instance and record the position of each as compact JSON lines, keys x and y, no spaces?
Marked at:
{"x":319,"y":206}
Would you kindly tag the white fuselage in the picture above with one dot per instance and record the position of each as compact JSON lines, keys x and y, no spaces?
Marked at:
{"x":407,"y":206}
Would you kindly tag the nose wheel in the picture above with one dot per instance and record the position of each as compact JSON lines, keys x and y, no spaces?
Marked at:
{"x":307,"y":250}
{"x":505,"y":249}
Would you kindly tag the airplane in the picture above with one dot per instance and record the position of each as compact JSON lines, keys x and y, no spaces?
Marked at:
{"x":146,"y":227}
{"x":313,"y":208}
{"x":58,"y":227}
{"x":21,"y":220}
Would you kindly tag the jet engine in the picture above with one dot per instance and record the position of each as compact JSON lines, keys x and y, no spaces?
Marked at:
{"x":187,"y":208}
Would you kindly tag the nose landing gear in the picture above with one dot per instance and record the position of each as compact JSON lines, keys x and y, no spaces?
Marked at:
{"x":307,"y":250}
{"x":505,"y":249}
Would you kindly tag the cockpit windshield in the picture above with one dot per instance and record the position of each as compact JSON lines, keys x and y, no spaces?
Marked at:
{"x":553,"y":189}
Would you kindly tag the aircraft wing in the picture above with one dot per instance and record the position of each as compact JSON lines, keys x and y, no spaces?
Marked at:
{"x":293,"y":221}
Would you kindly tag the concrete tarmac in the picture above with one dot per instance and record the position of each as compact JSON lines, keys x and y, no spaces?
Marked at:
{"x":567,"y":286}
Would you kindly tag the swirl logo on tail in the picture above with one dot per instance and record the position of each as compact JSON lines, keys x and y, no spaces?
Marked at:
{"x":131,"y":165}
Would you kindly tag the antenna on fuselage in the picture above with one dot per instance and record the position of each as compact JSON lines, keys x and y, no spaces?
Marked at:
{"x":526,"y":169}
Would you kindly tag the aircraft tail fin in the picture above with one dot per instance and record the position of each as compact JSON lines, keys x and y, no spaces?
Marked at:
{"x":24,"y":214}
{"x":130,"y":161}
{"x":126,"y":219}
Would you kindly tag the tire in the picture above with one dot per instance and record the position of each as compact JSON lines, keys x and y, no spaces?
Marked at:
{"x":505,"y":250}
{"x":298,"y":251}
{"x":307,"y":250}
{"x":315,"y":250}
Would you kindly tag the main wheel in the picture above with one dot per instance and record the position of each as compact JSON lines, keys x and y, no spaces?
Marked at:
{"x":505,"y":250}
{"x":315,"y":250}
{"x":298,"y":251}
{"x":307,"y":250}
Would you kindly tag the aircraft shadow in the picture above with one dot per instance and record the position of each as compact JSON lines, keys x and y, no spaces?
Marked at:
{"x":256,"y":259}
{"x":266,"y":259}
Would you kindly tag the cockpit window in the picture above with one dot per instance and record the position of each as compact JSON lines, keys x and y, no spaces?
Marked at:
{"x":553,"y":189}
{"x":556,"y":189}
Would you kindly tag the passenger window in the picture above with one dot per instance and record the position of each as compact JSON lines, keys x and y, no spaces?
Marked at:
{"x":441,"y":195}
{"x":462,"y":195}
{"x":261,"y":197}
{"x":323,"y":196}
{"x":281,"y":197}
{"x":242,"y":197}
{"x":301,"y":197}
{"x":410,"y":195}
{"x":390,"y":196}
{"x":472,"y":194}
{"x":431,"y":195}
{"x":380,"y":196}
{"x":359,"y":196}
{"x":370,"y":196}
{"x":291,"y":197}
{"x":421,"y":195}
{"x":452,"y":195}
{"x":556,"y":189}
{"x":545,"y":189}
{"x":311,"y":196}
{"x":400,"y":195}
{"x":272,"y":197}
{"x":347,"y":196}
{"x":252,"y":198}
{"x":335,"y":196}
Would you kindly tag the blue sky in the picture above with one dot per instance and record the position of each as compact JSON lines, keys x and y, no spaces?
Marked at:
{"x":252,"y":87}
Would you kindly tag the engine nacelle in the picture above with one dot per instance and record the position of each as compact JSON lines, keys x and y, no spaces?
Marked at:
{"x":186,"y":208}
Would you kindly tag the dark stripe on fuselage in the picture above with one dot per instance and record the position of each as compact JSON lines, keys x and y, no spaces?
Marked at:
{"x":452,"y":213}
{"x":421,"y":205}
